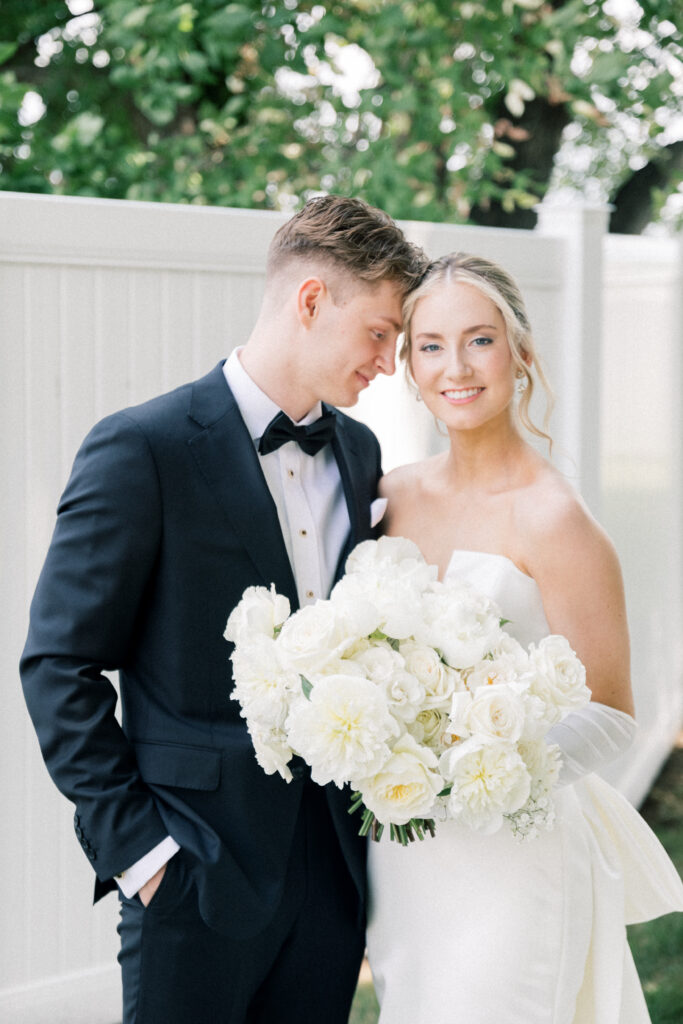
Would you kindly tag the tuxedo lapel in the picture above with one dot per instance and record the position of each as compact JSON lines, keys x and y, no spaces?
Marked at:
{"x":352,"y":470}
{"x":228,"y":461}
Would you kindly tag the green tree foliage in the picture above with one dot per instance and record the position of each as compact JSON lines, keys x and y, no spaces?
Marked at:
{"x":431,"y":109}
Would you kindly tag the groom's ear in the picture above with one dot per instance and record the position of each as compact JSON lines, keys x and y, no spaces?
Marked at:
{"x":310,"y":294}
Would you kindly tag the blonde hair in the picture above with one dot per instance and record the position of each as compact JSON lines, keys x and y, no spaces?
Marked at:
{"x":498,"y":286}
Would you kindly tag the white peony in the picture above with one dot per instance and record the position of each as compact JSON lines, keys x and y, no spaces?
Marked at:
{"x":342,"y":732}
{"x":557,"y":676}
{"x":398,"y":551}
{"x":460,"y":623}
{"x":391,"y":575}
{"x":406,"y":786}
{"x":543,"y":762}
{"x":272,"y":750}
{"x":259,"y":612}
{"x":262,"y":685}
{"x":489,"y":779}
{"x":494,"y":712}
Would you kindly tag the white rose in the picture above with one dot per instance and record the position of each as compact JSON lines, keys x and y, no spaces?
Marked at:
{"x":489,"y":779}
{"x":440,"y":682}
{"x":260,"y":611}
{"x":494,"y":712}
{"x":312,"y":637}
{"x":262,"y":685}
{"x":406,"y":786}
{"x":379,"y":661}
{"x":342,"y":732}
{"x":557,"y":676}
{"x":507,"y":666}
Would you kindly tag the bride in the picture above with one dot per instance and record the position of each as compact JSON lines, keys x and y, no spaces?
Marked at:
{"x":473,"y":929}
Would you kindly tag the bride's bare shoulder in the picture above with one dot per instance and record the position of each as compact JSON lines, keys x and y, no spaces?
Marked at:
{"x":557,"y":525}
{"x":403,"y":480}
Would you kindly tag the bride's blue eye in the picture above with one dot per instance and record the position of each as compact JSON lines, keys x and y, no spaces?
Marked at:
{"x":482,"y":341}
{"x":430,"y":347}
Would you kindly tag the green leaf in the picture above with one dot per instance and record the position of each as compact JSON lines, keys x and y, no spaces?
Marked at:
{"x":7,"y":50}
{"x":231,"y":20}
{"x":306,"y":687}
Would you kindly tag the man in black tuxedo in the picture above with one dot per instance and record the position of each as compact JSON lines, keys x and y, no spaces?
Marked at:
{"x":242,"y":896}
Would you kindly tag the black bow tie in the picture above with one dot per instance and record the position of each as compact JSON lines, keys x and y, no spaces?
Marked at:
{"x":310,"y":438}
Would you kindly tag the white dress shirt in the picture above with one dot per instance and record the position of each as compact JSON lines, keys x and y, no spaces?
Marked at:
{"x":314,"y":519}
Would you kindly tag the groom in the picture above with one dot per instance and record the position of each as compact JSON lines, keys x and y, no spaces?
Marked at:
{"x":241,"y":896}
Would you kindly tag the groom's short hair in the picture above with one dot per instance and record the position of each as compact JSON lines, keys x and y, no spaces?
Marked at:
{"x":348,"y":235}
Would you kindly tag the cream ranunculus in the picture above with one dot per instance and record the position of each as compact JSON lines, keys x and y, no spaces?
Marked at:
{"x":557,"y":676}
{"x":259,"y":612}
{"x":407,"y":785}
{"x":342,"y":732}
{"x":440,"y":681}
{"x":429,"y":728}
{"x":488,"y":778}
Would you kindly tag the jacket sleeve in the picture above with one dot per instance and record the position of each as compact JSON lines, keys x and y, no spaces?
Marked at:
{"x":89,"y":597}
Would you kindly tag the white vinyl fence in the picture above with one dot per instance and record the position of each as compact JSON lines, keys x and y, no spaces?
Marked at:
{"x":103,"y":304}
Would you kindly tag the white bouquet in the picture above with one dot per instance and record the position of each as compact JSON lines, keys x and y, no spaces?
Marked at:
{"x":410,"y":691}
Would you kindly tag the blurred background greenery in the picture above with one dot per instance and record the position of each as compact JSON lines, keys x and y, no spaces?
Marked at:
{"x":444,"y":110}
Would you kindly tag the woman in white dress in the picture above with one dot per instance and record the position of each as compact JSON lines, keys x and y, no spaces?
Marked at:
{"x":473,"y":929}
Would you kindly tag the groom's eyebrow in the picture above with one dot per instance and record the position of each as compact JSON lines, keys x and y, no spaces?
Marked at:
{"x":389,"y":320}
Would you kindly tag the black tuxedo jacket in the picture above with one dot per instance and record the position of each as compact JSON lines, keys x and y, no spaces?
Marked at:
{"x":166,"y":519}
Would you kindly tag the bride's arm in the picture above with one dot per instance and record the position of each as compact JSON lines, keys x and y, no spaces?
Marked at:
{"x":579,"y":577}
{"x":577,"y":571}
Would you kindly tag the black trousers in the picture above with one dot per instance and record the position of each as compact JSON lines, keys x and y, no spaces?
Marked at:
{"x":302,"y":969}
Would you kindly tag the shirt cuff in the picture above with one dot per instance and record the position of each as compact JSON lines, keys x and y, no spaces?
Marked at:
{"x":133,"y":878}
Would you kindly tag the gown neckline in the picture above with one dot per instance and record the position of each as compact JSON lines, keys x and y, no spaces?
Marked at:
{"x":488,"y":554}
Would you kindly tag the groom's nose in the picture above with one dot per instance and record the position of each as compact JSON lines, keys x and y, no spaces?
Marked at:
{"x":385,"y":360}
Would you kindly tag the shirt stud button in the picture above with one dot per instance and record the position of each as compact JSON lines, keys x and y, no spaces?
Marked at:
{"x":309,"y":593}
{"x":303,"y":533}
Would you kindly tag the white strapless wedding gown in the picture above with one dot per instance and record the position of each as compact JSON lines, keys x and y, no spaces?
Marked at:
{"x":473,"y":929}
